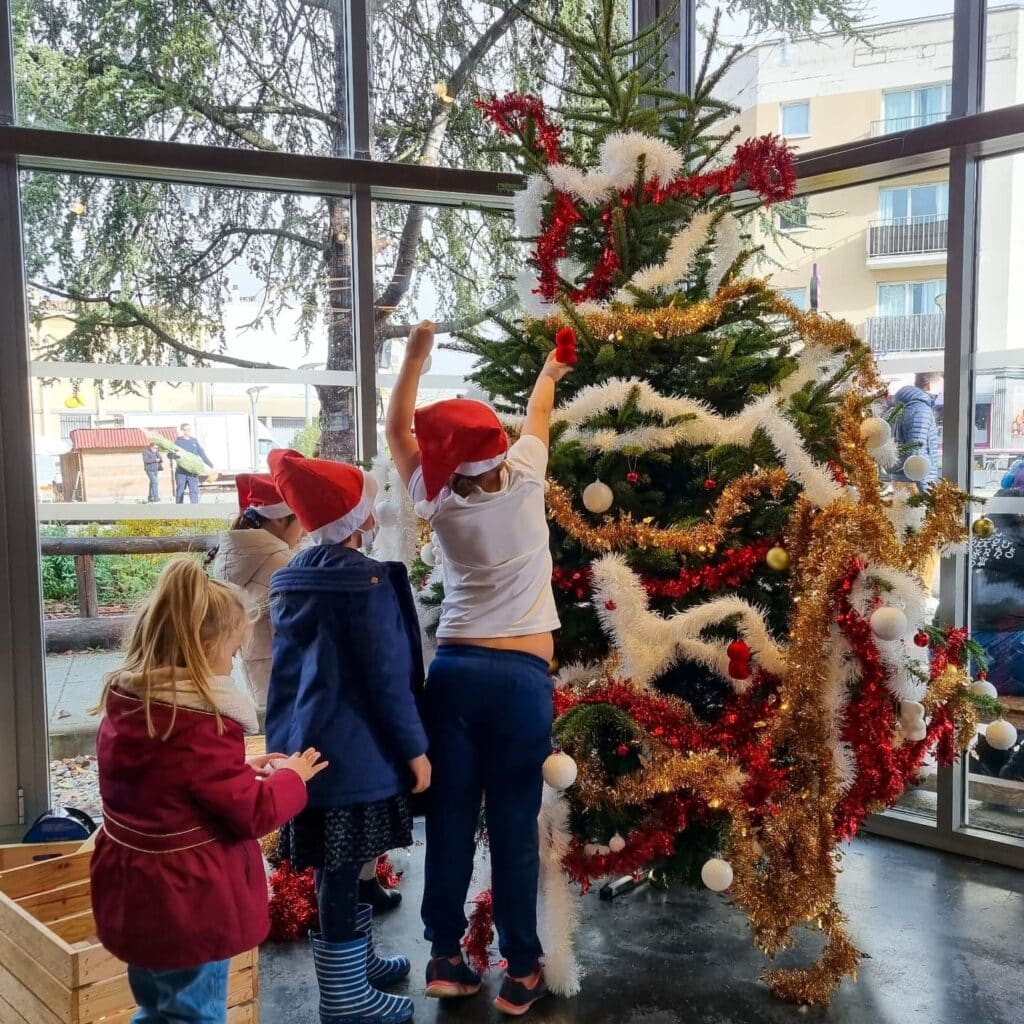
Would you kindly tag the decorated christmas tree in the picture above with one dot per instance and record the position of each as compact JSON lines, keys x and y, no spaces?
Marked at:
{"x":745,"y":668}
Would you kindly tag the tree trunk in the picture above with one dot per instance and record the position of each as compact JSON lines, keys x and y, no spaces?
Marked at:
{"x":337,"y":404}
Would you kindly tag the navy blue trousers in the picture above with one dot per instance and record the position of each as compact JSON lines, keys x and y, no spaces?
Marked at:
{"x":489,"y":724}
{"x":337,"y":896}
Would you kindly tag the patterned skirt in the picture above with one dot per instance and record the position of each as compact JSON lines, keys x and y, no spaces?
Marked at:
{"x":336,"y":837}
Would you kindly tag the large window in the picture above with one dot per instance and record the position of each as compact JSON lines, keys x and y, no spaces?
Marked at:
{"x":913,"y":202}
{"x":914,"y":108}
{"x":910,"y":298}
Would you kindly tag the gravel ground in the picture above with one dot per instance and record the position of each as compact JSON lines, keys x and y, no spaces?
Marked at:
{"x":74,"y":782}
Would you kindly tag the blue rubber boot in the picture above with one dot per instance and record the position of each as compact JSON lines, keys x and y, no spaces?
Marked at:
{"x":381,"y":971}
{"x":346,"y":995}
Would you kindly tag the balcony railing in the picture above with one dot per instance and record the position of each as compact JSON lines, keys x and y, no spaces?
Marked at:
{"x":919,"y":332}
{"x":889,"y":125}
{"x":908,"y":236}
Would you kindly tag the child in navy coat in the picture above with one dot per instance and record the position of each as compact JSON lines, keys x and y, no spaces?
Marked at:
{"x":347,"y":666}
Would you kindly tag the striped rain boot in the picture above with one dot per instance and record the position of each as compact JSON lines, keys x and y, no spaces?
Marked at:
{"x":381,"y":971}
{"x":346,"y":996}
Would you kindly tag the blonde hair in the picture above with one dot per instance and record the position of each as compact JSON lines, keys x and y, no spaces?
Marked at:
{"x":174,"y":633}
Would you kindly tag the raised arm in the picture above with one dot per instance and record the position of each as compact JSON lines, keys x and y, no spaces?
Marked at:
{"x":542,"y":401}
{"x":401,"y":439}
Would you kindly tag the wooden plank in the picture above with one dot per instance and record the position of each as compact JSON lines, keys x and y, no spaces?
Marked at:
{"x":74,"y":928}
{"x":241,"y":987}
{"x":25,"y":1002}
{"x":247,"y":1013}
{"x":30,"y":973}
{"x":9,"y":1015}
{"x":60,"y":902}
{"x":38,"y":941}
{"x":20,"y":854}
{"x":47,"y":874}
{"x":93,"y":964}
{"x":85,"y":579}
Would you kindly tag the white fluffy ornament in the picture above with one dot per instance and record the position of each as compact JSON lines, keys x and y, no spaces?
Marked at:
{"x":590,"y":849}
{"x":912,"y":723}
{"x":386,"y":514}
{"x":428,"y":555}
{"x":983,"y":688}
{"x":1000,"y":734}
{"x":559,"y":770}
{"x":616,"y":844}
{"x":888,"y":623}
{"x":916,"y":468}
{"x":597,"y":497}
{"x":875,"y":432}
{"x":716,"y":874}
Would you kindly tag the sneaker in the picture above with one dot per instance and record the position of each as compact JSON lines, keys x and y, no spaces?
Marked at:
{"x":446,"y":980}
{"x":515,"y":998}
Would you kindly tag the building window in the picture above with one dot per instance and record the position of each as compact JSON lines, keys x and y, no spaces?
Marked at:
{"x":913,"y":108}
{"x":69,"y":421}
{"x":796,"y":119}
{"x":798,"y":296}
{"x":913,"y":202}
{"x":910,"y":298}
{"x":793,"y":215}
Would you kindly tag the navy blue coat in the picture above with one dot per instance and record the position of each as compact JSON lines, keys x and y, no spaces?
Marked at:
{"x":347,"y":673}
{"x":916,"y":430}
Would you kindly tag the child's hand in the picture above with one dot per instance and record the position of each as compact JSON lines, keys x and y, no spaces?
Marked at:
{"x":306,"y":765}
{"x":421,"y":773}
{"x":262,"y":764}
{"x":554,"y":369}
{"x":421,"y":341}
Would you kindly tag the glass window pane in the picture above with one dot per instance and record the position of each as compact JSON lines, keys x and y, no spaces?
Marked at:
{"x":862,"y":84}
{"x":893,"y":203}
{"x":1004,"y":33}
{"x":796,"y":119}
{"x":798,"y":296}
{"x":996,"y":777}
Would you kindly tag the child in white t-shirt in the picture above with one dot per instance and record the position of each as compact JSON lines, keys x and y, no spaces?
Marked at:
{"x":488,"y":691}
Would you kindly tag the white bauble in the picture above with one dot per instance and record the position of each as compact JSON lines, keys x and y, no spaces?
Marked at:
{"x":983,"y":688}
{"x":590,"y":850}
{"x":597,"y":497}
{"x":888,"y":623}
{"x":1000,"y":734}
{"x":428,"y":555}
{"x":916,"y":468}
{"x":616,"y":844}
{"x":386,"y":514}
{"x":603,"y":851}
{"x":559,"y":770}
{"x":401,"y":859}
{"x":716,"y":874}
{"x":875,"y":432}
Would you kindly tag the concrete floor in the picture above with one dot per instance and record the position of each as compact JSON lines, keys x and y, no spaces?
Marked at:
{"x":944,"y":936}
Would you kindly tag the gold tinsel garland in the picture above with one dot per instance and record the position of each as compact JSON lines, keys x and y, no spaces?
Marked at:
{"x":623,"y":531}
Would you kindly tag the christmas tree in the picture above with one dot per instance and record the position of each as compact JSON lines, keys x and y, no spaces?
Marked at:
{"x":745,"y":669}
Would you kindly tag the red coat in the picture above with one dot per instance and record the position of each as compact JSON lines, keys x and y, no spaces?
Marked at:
{"x":177,"y":876}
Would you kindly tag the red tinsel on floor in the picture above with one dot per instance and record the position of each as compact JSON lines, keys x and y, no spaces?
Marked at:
{"x":293,"y":909}
{"x":386,"y":874}
{"x":480,"y":933}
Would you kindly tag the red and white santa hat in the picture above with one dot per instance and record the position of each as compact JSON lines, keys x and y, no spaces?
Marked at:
{"x":331,"y":499}
{"x":457,"y":436}
{"x":258,"y":492}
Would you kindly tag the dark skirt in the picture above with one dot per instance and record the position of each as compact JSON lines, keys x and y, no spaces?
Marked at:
{"x":337,"y":837}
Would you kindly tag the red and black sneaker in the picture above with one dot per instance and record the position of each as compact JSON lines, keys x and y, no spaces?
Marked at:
{"x":446,"y":980}
{"x":516,"y":997}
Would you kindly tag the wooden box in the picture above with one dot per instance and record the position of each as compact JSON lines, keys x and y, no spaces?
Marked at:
{"x":52,"y":969}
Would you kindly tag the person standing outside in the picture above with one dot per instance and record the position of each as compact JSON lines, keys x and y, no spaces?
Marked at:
{"x":153,"y":462}
{"x":183,"y":479}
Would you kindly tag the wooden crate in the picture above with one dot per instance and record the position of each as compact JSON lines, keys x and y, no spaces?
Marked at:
{"x":52,"y":969}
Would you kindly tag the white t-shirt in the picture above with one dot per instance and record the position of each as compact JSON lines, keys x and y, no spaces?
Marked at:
{"x":495,"y":558}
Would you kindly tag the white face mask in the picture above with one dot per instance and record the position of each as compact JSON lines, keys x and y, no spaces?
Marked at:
{"x":368,"y":537}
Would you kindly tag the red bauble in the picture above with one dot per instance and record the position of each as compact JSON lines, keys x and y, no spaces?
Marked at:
{"x":983,"y":674}
{"x":921,"y":639}
{"x":622,"y":749}
{"x":739,"y":669}
{"x":710,"y":484}
{"x":738,"y":650}
{"x":610,"y":605}
{"x":565,"y":346}
{"x":632,"y":478}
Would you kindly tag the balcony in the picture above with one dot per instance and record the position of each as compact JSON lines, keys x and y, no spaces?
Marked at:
{"x":903,"y":124}
{"x":921,"y":332}
{"x":908,"y":241}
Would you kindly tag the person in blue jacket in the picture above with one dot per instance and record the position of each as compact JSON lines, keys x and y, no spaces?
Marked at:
{"x":916,"y":430}
{"x":184,"y":480}
{"x":347,"y":670}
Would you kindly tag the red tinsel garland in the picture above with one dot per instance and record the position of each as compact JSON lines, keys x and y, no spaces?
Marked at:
{"x":388,"y":877}
{"x":511,"y":114}
{"x":293,"y":907}
{"x":480,"y":933}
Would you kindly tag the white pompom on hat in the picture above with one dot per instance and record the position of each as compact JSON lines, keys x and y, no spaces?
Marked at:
{"x":258,"y":491}
{"x":331,"y":499}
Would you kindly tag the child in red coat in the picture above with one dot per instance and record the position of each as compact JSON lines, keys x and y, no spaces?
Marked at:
{"x":177,"y":877}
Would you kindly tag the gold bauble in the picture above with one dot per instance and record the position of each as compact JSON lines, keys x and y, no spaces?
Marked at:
{"x":777,"y":559}
{"x":553,"y":666}
{"x":983,"y":528}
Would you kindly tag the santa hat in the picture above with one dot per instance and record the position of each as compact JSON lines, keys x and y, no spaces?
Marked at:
{"x":331,"y":499}
{"x":457,"y":436}
{"x":257,"y":491}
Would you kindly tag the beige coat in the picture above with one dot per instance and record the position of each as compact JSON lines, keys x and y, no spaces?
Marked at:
{"x":248,"y":558}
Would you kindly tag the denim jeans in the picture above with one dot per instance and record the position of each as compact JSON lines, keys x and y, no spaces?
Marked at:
{"x":183,"y":482}
{"x":195,"y":995}
{"x":489,"y":723}
{"x":154,"y":484}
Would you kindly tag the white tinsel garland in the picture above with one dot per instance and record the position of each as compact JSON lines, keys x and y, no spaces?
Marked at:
{"x":728,"y":246}
{"x":703,"y":427}
{"x":526,"y":204}
{"x":400,"y":542}
{"x":673,"y":268}
{"x":649,"y":644}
